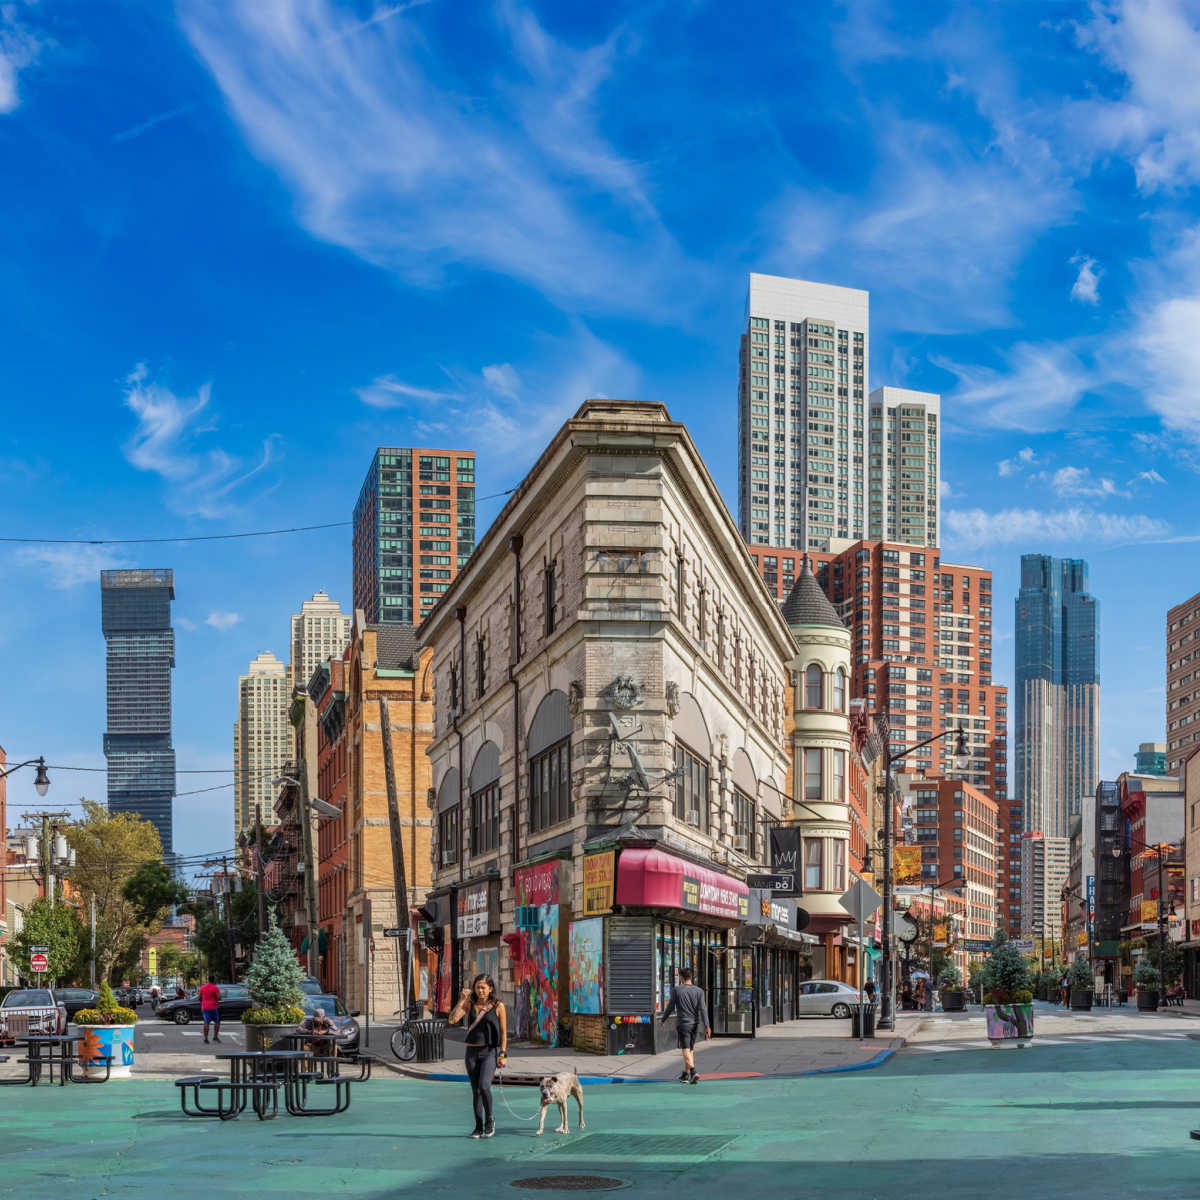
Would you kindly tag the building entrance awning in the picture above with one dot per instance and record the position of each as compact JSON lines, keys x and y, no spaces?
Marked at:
{"x":648,"y":878}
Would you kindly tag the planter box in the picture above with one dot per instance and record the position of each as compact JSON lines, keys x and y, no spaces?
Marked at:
{"x":264,"y":1037}
{"x":1147,"y":999}
{"x":1081,"y":999}
{"x":953,"y":1000}
{"x":1009,"y":1023}
{"x":107,"y":1040}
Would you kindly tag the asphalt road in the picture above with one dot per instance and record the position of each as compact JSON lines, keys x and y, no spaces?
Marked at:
{"x":165,"y":1037}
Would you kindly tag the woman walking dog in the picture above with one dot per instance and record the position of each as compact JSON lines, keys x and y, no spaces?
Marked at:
{"x":487,"y":1046}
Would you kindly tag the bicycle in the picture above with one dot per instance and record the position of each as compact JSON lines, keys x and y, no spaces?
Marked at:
{"x":403,"y":1041}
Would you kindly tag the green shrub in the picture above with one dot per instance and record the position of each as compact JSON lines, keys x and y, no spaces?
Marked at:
{"x":106,"y":1012}
{"x":282,"y":1014}
{"x":1081,"y":978}
{"x":1006,"y":975}
{"x":274,"y":977}
{"x":1145,"y":973}
{"x":949,"y":977}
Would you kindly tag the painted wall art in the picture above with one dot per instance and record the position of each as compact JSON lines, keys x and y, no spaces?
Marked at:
{"x":587,"y":965}
{"x":535,"y":970}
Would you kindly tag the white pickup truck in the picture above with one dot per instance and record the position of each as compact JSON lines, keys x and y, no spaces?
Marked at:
{"x":28,"y":1011}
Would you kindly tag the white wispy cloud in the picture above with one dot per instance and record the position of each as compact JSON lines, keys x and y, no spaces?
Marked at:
{"x":1023,"y":458}
{"x":386,"y":161}
{"x":19,"y":48}
{"x":69,"y":566}
{"x":503,"y":379}
{"x":222,"y":620}
{"x":1076,"y":526}
{"x":200,"y":481}
{"x":185,"y":623}
{"x":134,"y":131}
{"x":1151,"y":476}
{"x":1086,"y":288}
{"x":386,"y":391}
{"x":1079,"y":482}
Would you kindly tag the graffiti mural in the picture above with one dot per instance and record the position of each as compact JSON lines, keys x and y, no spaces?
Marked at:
{"x":587,"y":965}
{"x":535,"y":965}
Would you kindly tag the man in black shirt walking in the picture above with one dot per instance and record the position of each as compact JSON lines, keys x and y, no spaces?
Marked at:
{"x":687,"y":1002}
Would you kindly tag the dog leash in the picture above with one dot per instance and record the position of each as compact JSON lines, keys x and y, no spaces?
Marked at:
{"x":500,"y":1085}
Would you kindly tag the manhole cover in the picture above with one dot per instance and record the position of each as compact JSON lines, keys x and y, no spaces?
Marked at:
{"x":634,"y":1146}
{"x":570,"y":1183}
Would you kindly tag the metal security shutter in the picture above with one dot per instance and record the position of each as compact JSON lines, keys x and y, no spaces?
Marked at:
{"x":630,"y":965}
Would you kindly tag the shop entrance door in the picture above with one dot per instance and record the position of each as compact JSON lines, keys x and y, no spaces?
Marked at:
{"x":731,"y":994}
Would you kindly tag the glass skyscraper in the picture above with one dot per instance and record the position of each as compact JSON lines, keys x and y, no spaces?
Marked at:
{"x":135,"y":616}
{"x":1057,"y":687}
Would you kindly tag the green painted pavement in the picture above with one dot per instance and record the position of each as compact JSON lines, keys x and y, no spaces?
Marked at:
{"x":1098,"y":1120}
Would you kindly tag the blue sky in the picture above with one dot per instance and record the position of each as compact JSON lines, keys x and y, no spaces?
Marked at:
{"x":246,"y":241}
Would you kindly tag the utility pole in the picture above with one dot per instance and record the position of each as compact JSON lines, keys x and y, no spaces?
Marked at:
{"x":259,"y":885}
{"x":92,"y":972}
{"x":307,"y":741}
{"x":228,"y":882}
{"x":46,"y":855}
{"x":398,"y":871}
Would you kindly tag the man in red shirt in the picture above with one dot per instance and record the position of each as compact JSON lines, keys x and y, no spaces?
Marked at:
{"x":210,"y":1008}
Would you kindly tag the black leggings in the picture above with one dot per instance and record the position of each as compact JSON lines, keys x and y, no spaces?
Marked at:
{"x":481,"y":1069}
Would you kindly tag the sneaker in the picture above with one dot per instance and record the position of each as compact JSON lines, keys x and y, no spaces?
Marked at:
{"x":216,"y":1037}
{"x":693,"y":1078}
{"x":683,"y":1077}
{"x":489,"y":1130}
{"x":477,"y":1132}
{"x":206,"y":1039}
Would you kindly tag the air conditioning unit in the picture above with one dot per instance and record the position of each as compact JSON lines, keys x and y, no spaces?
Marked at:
{"x":739,"y":843}
{"x":693,"y":817}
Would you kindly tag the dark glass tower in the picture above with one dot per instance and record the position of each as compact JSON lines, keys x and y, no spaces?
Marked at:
{"x":1057,"y":688}
{"x":135,"y":615}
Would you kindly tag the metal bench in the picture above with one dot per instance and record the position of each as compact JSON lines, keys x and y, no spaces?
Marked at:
{"x":263,"y":1095}
{"x":298,"y":1103}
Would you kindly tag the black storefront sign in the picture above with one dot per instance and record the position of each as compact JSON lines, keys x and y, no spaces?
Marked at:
{"x":768,"y":909}
{"x":785,"y":855}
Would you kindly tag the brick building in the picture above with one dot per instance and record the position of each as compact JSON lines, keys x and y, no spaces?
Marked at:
{"x":327,"y":688}
{"x":1183,"y":681}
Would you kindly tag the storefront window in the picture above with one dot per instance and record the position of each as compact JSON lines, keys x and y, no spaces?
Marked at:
{"x":812,"y":774}
{"x":691,"y":788}
{"x":814,"y":850}
{"x":550,"y":786}
{"x":676,"y":947}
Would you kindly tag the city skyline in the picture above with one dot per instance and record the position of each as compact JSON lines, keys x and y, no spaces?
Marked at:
{"x":1017,"y":285}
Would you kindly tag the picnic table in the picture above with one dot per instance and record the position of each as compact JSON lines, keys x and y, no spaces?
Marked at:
{"x":256,"y":1078}
{"x":53,"y":1053}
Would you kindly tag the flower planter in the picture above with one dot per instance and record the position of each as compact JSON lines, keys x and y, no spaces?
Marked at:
{"x":1009,"y":1023}
{"x":1081,"y":999}
{"x":1147,"y":999}
{"x":264,"y":1037}
{"x":953,"y":1000}
{"x":98,"y":1041}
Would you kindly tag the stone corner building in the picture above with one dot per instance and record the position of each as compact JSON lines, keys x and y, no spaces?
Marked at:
{"x":608,"y":749}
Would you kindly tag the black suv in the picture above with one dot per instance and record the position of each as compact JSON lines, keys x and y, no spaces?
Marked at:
{"x":235,"y":999}
{"x":77,"y":998}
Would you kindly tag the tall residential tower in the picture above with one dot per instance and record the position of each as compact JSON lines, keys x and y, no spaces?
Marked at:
{"x":320,"y":631}
{"x":1056,"y":733}
{"x":801,"y":413}
{"x":414,"y":527}
{"x":905,"y":466}
{"x":262,"y":739}
{"x":135,"y":616}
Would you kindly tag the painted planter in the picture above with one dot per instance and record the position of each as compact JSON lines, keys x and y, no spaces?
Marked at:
{"x":99,"y":1041}
{"x":1081,"y":999}
{"x":1009,"y":1023}
{"x":264,"y":1037}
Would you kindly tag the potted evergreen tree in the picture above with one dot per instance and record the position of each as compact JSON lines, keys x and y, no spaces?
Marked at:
{"x":950,"y":981}
{"x":1080,"y":980}
{"x":1008,"y":995}
{"x":106,"y":1031}
{"x":274,"y":981}
{"x":1145,"y":975}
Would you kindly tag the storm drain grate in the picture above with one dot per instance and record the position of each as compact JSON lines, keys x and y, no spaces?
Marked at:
{"x":570,"y":1183}
{"x":622,"y":1146}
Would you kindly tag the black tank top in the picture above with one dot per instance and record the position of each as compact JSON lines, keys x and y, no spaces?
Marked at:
{"x":487,"y":1031}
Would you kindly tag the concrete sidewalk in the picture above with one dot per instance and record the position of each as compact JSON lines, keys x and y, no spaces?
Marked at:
{"x":813,"y":1046}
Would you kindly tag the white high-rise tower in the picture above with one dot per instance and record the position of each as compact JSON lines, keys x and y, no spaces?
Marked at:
{"x":801,"y":413}
{"x":320,"y":631}
{"x":905,"y":466}
{"x":262,"y":739}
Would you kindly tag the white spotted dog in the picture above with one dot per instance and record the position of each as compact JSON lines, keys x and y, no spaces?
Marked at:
{"x":557,"y":1089}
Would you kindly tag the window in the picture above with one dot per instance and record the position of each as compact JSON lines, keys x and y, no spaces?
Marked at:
{"x":812,"y":774}
{"x":550,"y":591}
{"x":679,"y":585}
{"x":814,"y":851}
{"x":485,"y":819}
{"x":839,"y":690}
{"x":744,"y":817}
{"x":812,"y":686}
{"x":448,"y":833}
{"x":691,"y":788}
{"x":480,"y":667}
{"x":839,"y":776}
{"x":550,"y":786}
{"x":837,"y":882}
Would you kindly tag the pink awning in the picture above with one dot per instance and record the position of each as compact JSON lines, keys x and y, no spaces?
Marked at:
{"x":655,"y":879}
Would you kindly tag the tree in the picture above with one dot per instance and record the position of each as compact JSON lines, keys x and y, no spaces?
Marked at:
{"x":275,"y":976}
{"x":57,"y":927}
{"x":110,"y":848}
{"x":169,"y":958}
{"x":191,"y":969}
{"x":152,"y":890}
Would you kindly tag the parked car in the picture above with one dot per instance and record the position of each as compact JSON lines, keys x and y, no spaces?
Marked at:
{"x":235,"y":1000}
{"x":311,"y":986}
{"x":345,"y":1027}
{"x":76,"y":998}
{"x":825,"y":997}
{"x":31,"y":1010}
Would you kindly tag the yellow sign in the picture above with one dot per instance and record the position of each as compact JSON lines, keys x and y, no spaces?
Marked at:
{"x":1081,"y":938}
{"x":906,"y":865}
{"x":152,"y":959}
{"x":599,"y":882}
{"x":1149,"y":911}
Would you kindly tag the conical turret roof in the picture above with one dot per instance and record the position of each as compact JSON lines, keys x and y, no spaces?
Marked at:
{"x":807,"y":603}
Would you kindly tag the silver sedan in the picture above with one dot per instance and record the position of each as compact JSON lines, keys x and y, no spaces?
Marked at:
{"x":826,"y":998}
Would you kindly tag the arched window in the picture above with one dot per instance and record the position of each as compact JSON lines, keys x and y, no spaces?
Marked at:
{"x":839,"y":690}
{"x":813,"y":679}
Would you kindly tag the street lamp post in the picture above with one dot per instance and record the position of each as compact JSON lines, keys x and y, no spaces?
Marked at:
{"x":41,"y":782}
{"x":887,"y":1019}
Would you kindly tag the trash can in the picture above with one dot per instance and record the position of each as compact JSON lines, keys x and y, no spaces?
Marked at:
{"x":862,"y":1020}
{"x":430,"y":1036}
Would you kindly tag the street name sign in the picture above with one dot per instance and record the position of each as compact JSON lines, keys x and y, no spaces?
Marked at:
{"x":393,"y":933}
{"x":772,"y":882}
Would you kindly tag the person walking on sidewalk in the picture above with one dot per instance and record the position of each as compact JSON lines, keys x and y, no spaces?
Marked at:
{"x":210,"y":1008}
{"x":487,"y":1046}
{"x":687,"y":1002}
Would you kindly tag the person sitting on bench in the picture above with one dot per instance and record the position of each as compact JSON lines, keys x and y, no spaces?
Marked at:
{"x":321,"y":1027}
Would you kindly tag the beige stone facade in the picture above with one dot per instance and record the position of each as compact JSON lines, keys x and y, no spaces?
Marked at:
{"x":611,"y":672}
